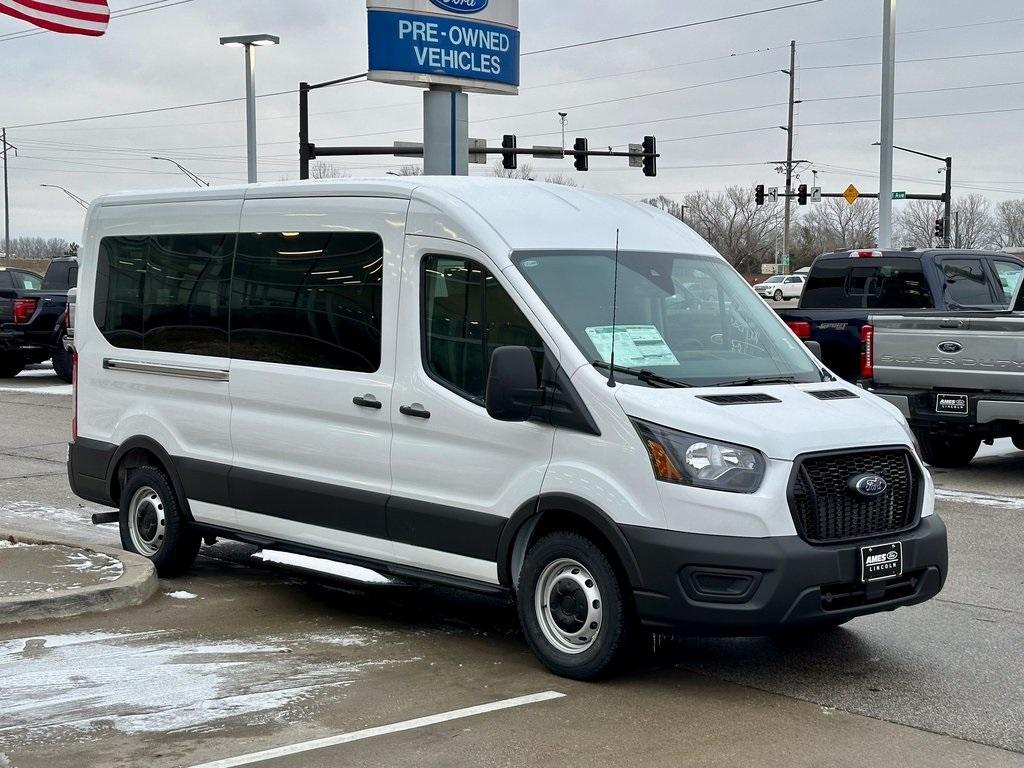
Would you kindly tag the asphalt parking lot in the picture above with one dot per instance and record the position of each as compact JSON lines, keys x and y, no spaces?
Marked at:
{"x":249,"y":663}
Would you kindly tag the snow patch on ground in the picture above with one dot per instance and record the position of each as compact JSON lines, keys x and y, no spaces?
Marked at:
{"x":35,"y":517}
{"x":104,"y":567}
{"x":329,"y":567}
{"x":81,"y":683}
{"x":5,"y":544}
{"x":63,"y":389}
{"x":982,"y":499}
{"x":181,"y":595}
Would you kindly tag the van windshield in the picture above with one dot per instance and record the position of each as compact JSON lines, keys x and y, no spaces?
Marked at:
{"x":691,"y":319}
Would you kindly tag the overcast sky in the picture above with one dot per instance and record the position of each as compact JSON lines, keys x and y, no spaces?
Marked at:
{"x":170,"y":57}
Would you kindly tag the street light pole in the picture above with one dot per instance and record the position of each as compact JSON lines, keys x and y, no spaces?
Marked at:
{"x":197,"y":180}
{"x":248,"y":42}
{"x":789,"y":154}
{"x":947,"y":196}
{"x":888,"y":106}
{"x":81,"y":201}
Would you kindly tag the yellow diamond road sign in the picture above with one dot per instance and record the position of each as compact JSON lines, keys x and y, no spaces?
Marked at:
{"x":851,"y":194}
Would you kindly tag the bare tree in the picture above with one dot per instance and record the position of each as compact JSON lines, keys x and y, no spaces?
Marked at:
{"x":524,"y":171}
{"x":410,"y":170}
{"x":973,"y":224}
{"x":667,"y":204}
{"x":322,"y":170}
{"x":915,"y":224}
{"x":834,"y":225}
{"x":38,"y":247}
{"x":742,"y":231}
{"x":561,"y":178}
{"x":1009,"y":224}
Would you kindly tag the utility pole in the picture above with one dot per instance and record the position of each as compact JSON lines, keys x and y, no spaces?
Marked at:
{"x":789,"y":152}
{"x":888,"y":106}
{"x":7,"y":198}
{"x":948,"y":201}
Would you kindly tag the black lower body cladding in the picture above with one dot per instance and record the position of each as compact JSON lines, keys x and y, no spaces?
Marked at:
{"x":726,"y":585}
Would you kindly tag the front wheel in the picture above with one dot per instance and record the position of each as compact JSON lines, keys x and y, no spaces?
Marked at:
{"x":574,"y":607}
{"x":778,"y":295}
{"x":948,"y":451}
{"x":153,"y":524}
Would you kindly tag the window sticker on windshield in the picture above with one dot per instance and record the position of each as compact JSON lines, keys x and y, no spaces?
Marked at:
{"x":636,"y":346}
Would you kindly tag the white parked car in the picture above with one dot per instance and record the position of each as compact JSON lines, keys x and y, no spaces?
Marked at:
{"x":463,"y":381}
{"x":779,"y":287}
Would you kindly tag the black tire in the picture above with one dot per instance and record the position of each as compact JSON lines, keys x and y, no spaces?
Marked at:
{"x":11,"y":364}
{"x":778,"y":294}
{"x":147,"y":497}
{"x":1018,"y":441}
{"x":609,"y":647}
{"x":63,"y":361}
{"x":948,"y":451}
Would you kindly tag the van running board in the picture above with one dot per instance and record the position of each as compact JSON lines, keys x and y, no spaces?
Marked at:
{"x":101,"y":518}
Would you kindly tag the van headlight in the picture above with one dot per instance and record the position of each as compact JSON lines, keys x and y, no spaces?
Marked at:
{"x":684,"y":459}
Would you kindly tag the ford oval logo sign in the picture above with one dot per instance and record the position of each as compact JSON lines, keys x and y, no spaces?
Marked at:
{"x":461,"y":6}
{"x":950,"y":347}
{"x":868,"y":486}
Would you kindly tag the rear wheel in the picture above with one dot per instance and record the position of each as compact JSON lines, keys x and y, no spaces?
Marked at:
{"x":62,"y":361}
{"x":153,"y":524}
{"x":11,"y":364}
{"x":1018,"y":441}
{"x":948,"y":451}
{"x":778,"y":294}
{"x":574,"y":607}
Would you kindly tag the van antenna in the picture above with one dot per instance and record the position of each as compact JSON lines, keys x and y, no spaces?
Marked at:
{"x":615,"y":299}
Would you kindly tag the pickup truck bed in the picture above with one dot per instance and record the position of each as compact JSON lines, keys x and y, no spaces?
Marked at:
{"x":958,"y":379}
{"x":38,"y":332}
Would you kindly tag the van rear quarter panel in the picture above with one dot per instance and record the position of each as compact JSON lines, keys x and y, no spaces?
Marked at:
{"x":188,"y":417}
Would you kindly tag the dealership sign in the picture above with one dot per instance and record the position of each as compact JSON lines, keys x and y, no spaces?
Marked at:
{"x":471,"y":44}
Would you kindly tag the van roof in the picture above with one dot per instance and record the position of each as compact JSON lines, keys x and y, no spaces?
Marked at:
{"x":525,"y":215}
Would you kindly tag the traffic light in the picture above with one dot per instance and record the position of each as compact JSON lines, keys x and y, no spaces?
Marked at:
{"x":801,"y":194}
{"x":509,"y":160}
{"x":582,"y":161}
{"x":940,"y":228}
{"x":759,"y":194}
{"x":650,"y":156}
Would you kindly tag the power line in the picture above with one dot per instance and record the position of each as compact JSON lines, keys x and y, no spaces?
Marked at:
{"x":124,"y":12}
{"x":674,"y":27}
{"x":918,"y":61}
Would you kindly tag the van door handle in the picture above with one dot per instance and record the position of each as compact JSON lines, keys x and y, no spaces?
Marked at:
{"x":414,"y":411}
{"x":368,"y":401}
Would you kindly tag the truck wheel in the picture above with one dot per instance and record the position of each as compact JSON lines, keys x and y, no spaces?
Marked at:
{"x":1018,"y":441}
{"x":948,"y":451}
{"x":778,"y":295}
{"x":153,"y":525}
{"x":62,"y":361}
{"x":11,"y":365}
{"x":574,"y":607}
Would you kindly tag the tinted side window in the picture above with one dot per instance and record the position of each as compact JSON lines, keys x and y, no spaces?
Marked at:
{"x":186,"y":294}
{"x":5,"y":280}
{"x":166,"y":293}
{"x":61,"y":276}
{"x":27,"y":281}
{"x":466,"y":316}
{"x":311,"y":299}
{"x":966,"y":282}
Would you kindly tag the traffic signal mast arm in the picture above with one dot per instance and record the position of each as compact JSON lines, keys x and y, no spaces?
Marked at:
{"x":759,"y":195}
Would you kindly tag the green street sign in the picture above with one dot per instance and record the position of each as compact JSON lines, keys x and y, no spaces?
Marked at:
{"x":785,"y":260}
{"x":899,"y":195}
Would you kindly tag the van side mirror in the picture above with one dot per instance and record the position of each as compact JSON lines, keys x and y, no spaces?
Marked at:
{"x":512,"y":390}
{"x":815,"y":349}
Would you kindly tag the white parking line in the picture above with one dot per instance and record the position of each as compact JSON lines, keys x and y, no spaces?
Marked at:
{"x":369,"y":733}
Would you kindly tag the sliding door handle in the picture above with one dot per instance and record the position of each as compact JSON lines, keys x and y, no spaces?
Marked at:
{"x":368,"y":401}
{"x":416,"y":411}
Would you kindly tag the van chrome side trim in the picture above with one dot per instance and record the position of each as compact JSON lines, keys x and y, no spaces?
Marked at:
{"x":162,"y":369}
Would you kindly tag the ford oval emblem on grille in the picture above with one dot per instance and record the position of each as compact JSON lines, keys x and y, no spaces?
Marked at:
{"x":868,"y":486}
{"x":950,"y":347}
{"x":461,"y":6}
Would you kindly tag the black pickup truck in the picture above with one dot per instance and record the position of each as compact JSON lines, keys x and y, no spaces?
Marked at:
{"x":844,"y":287}
{"x":32,"y":318}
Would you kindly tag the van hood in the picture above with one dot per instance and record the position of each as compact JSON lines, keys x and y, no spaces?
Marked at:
{"x":798,"y":423}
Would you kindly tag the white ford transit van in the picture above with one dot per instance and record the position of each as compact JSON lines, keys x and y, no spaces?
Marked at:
{"x":417,"y":376}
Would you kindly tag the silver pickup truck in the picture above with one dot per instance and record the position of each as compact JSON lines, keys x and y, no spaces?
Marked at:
{"x":958,"y":379}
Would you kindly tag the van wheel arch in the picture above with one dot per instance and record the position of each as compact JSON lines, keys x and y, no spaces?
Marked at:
{"x":141,"y":451}
{"x":562,"y":512}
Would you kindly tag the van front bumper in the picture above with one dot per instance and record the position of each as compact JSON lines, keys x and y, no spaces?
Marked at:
{"x":726,"y":585}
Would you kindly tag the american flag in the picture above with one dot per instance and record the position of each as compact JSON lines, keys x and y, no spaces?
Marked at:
{"x":70,"y":17}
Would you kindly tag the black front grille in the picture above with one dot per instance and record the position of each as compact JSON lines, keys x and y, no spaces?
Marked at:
{"x":826,"y":509}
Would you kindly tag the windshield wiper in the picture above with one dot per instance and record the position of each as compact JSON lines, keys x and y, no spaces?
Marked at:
{"x":647,"y":377}
{"x":754,"y":381}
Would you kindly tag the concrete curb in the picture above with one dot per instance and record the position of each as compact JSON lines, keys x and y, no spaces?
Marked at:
{"x":136,"y":585}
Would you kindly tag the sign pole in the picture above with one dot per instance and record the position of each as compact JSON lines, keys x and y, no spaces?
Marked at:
{"x":888,"y":105}
{"x":445,"y":131}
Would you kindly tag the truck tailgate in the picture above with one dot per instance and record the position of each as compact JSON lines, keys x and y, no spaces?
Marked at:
{"x":972,"y":351}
